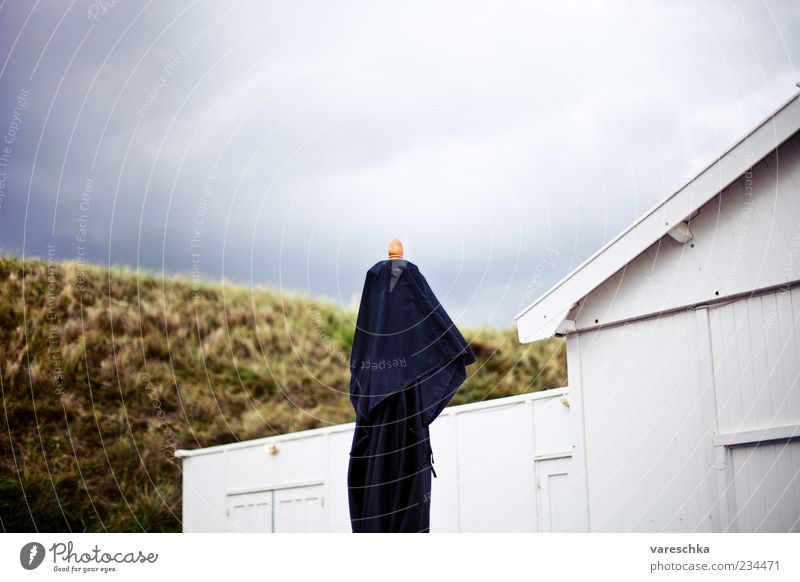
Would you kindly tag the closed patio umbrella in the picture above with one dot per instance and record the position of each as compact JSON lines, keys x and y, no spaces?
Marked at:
{"x":408,"y":360}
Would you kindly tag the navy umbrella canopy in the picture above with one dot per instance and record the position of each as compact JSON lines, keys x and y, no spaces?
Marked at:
{"x":408,"y":360}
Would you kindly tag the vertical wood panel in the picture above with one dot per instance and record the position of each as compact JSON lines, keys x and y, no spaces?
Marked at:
{"x":647,"y":460}
{"x":755,"y":355}
{"x":496,"y":470}
{"x":767,"y":484}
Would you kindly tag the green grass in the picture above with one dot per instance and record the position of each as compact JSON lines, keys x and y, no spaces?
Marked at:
{"x":104,"y":373}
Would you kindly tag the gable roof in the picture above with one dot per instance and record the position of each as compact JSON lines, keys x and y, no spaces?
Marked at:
{"x":545,"y":316}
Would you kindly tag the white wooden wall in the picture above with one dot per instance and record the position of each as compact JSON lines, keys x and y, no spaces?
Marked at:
{"x":502,"y":465}
{"x":687,"y":419}
{"x":756,"y":355}
{"x":647,"y":425}
{"x":757,"y":361}
{"x":765,"y":483}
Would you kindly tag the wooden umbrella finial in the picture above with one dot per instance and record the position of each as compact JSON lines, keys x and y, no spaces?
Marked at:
{"x":395,"y":249}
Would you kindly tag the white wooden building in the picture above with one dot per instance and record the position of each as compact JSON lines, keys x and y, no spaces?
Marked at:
{"x":683,"y":407}
{"x":501,"y":466}
{"x":683,"y":351}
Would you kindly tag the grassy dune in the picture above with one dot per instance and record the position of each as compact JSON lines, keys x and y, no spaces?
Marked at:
{"x":104,"y":373}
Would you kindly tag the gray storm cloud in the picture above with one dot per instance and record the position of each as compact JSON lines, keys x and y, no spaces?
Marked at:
{"x":286,"y":143}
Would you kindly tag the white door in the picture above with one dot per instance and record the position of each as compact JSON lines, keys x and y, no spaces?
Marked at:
{"x":554,"y":501}
{"x":766,"y":487}
{"x":250,"y":512}
{"x":300,"y":509}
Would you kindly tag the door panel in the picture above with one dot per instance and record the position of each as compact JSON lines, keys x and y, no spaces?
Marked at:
{"x":554,"y":500}
{"x":250,"y":512}
{"x":766,"y":486}
{"x":300,"y":509}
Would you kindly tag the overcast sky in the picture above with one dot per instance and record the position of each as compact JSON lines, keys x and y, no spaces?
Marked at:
{"x":285,"y":143}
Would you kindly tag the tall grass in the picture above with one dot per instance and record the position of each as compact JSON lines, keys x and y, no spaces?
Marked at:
{"x":104,"y":373}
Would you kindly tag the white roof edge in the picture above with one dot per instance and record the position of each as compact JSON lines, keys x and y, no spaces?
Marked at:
{"x":652,"y":225}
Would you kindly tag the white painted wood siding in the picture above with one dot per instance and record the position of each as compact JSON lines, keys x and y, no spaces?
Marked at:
{"x":757,"y":361}
{"x":766,"y":485}
{"x":485,"y":453}
{"x":648,"y":420}
{"x":680,"y":414}
{"x":746,"y":238}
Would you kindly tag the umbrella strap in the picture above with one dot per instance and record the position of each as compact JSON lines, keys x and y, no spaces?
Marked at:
{"x":430,"y":454}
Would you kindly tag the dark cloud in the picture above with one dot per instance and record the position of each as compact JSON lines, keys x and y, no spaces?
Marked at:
{"x":504,"y":146}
